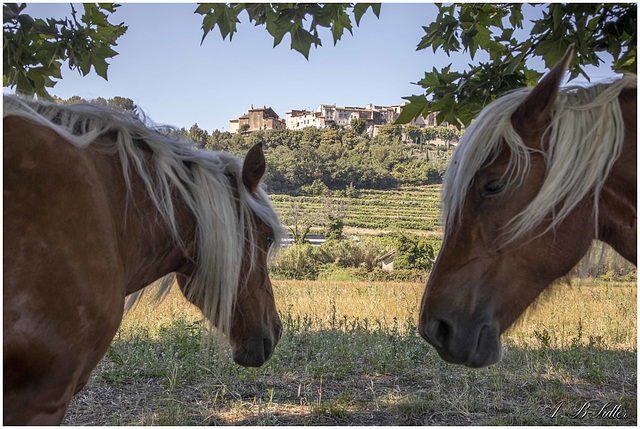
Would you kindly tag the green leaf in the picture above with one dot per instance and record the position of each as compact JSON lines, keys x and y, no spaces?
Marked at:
{"x":417,"y":104}
{"x":208,"y":23}
{"x":26,"y":22}
{"x":430,"y":79}
{"x":359,"y":9}
{"x":375,"y":7}
{"x":552,"y":51}
{"x":338,"y":25}
{"x":627,"y":62}
{"x":100,"y":66}
{"x":516,"y":17}
{"x":532,"y":76}
{"x":24,"y":85}
{"x":556,"y":11}
{"x":301,"y":41}
{"x":465,"y":116}
{"x":85,"y":65}
{"x":514,"y":63}
{"x":204,"y":8}
{"x":225,"y":17}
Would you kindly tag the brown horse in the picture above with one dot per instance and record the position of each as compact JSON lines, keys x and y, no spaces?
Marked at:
{"x":97,"y":206}
{"x":539,"y":175}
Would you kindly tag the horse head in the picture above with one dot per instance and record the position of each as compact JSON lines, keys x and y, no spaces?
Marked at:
{"x":500,"y":248}
{"x":254,"y":326}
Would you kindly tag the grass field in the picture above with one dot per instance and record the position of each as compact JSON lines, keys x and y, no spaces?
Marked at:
{"x":350,"y":355}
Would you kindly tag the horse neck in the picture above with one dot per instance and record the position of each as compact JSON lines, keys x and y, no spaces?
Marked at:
{"x":147,"y":247}
{"x":618,"y":210}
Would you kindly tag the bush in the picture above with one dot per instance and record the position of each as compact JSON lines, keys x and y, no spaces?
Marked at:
{"x":307,"y":262}
{"x":413,"y":252}
{"x":352,"y":191}
{"x":300,"y":262}
{"x":348,"y":259}
{"x":317,"y":188}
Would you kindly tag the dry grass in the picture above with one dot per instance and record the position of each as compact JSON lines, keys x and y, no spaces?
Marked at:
{"x":602,"y":310}
{"x":350,"y":356}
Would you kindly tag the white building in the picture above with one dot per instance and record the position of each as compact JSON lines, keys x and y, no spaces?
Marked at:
{"x":331,"y":116}
{"x":299,"y":119}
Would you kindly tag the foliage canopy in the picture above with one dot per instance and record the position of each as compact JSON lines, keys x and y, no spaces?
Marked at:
{"x":286,"y":18}
{"x":459,"y":95}
{"x":34,"y":49}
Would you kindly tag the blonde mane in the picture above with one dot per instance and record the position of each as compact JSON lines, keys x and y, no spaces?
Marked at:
{"x":585,"y":138}
{"x":200,"y":178}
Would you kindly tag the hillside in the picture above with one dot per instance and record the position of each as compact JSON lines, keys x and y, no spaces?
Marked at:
{"x":412,"y":209}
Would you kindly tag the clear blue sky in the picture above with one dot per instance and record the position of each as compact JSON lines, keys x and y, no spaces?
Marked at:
{"x":176,"y":81}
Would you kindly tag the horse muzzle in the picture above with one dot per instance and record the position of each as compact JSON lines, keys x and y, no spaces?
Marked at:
{"x":474,"y":343}
{"x":256,"y":350}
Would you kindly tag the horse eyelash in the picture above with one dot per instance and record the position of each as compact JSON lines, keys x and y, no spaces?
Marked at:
{"x":495,"y":189}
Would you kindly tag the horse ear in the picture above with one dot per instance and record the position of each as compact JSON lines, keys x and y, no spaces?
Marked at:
{"x":253,"y":168}
{"x":538,"y":105}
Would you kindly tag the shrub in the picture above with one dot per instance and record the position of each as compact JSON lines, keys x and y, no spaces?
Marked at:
{"x":300,"y":262}
{"x":413,"y":253}
{"x":307,"y":262}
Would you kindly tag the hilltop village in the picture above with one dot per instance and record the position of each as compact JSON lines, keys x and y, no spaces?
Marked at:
{"x":325,"y":116}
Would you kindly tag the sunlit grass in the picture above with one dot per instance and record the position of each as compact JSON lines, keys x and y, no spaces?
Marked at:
{"x":596,"y":311}
{"x":351,"y":355}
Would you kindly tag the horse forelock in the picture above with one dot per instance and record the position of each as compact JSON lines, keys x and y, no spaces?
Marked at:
{"x":583,"y":140}
{"x":483,"y":141}
{"x":201,"y":179}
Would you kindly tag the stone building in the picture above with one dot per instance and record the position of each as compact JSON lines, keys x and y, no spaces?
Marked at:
{"x":258,"y":119}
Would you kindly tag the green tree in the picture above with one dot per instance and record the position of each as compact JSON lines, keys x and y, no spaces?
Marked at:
{"x":390,"y":132}
{"x":34,"y":49}
{"x":358,"y":125}
{"x":446,"y":134}
{"x":72,"y":100}
{"x":117,"y":102}
{"x":352,"y":191}
{"x":218,"y":140}
{"x":123,"y":103}
{"x":593,"y":28}
{"x":316,"y":189}
{"x":333,"y":228}
{"x":429,"y":133}
{"x":199,"y":136}
{"x":413,"y":133}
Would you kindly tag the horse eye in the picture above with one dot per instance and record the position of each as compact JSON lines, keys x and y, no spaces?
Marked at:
{"x":492,"y":188}
{"x":270,"y":240}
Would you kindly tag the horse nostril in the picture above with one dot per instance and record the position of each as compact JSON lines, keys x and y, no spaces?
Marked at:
{"x":439,"y":331}
{"x":268,"y":347}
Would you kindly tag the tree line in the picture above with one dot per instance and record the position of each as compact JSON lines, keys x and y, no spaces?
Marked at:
{"x":319,"y":161}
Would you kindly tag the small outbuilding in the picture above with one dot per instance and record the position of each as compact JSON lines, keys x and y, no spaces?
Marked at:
{"x":387,"y":260}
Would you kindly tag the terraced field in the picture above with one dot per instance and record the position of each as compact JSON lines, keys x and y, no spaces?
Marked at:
{"x":409,"y":208}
